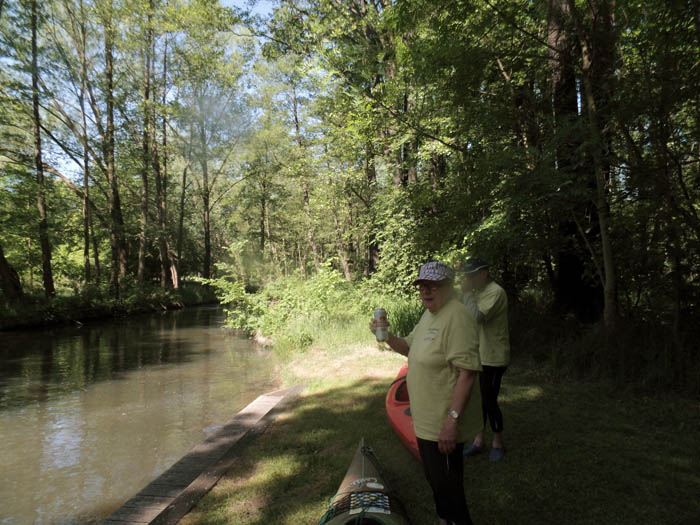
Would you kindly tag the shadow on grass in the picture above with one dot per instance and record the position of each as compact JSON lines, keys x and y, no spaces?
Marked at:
{"x":576,"y":453}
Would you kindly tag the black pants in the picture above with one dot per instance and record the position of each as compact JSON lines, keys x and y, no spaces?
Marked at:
{"x":445,"y":474}
{"x":490,"y":382}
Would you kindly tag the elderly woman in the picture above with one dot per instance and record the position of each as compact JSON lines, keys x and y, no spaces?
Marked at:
{"x":488,"y":304}
{"x":443,"y":366}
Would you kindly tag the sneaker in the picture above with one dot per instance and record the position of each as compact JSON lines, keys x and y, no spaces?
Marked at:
{"x":497,"y":454}
{"x":473,"y":450}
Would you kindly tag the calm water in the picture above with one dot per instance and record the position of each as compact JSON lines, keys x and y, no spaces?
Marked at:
{"x":90,"y":415}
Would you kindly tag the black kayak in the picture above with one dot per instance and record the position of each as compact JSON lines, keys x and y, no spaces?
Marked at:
{"x":364,"y":498}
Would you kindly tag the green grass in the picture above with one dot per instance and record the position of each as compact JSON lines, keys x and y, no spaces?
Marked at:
{"x":577,"y":452}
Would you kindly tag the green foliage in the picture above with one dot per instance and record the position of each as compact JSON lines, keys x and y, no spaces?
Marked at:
{"x":396,"y":235}
{"x":295,"y":311}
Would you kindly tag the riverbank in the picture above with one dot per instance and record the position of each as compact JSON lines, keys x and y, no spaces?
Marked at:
{"x":577,"y":452}
{"x":38,"y":311}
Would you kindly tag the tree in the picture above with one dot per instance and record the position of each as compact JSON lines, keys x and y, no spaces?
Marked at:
{"x":208,"y":66}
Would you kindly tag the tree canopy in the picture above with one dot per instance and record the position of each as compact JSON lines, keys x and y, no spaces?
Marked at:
{"x":151,"y":141}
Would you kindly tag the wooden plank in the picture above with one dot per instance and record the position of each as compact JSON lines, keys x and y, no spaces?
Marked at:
{"x":170,"y":496}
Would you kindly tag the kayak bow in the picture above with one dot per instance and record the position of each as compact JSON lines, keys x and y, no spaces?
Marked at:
{"x":364,"y":496}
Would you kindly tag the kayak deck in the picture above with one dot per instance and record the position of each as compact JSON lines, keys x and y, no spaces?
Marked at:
{"x":364,"y":496}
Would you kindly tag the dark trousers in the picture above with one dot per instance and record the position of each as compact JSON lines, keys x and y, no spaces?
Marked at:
{"x":490,"y":382}
{"x":445,"y":474}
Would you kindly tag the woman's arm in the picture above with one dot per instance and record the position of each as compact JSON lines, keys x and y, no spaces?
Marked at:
{"x":463,"y":391}
{"x":397,"y":344}
{"x":470,"y":302}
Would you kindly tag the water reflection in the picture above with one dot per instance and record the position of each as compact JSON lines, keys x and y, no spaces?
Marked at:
{"x":89,"y":416}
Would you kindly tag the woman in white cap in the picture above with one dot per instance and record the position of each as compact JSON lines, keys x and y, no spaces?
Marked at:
{"x":443,"y":367}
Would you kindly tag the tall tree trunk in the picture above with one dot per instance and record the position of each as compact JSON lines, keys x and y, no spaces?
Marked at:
{"x":9,"y":280}
{"x":572,"y":293}
{"x":598,"y":51}
{"x":116,"y":234}
{"x":145,"y":156}
{"x":86,"y":151}
{"x":47,"y":274}
{"x":169,"y":272}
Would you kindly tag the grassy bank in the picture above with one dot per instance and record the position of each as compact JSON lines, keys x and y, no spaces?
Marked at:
{"x":577,"y":452}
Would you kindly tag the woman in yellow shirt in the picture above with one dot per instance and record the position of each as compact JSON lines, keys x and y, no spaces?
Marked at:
{"x":443,"y":366}
{"x":488,"y":305}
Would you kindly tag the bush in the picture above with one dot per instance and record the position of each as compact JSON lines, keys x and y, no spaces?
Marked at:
{"x":296,"y":312}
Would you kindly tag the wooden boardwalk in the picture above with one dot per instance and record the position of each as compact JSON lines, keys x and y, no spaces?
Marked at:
{"x":170,"y":496}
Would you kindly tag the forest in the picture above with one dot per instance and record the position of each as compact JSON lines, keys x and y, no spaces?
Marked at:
{"x":145,"y":144}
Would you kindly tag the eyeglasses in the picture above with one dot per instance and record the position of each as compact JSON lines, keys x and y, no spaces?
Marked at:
{"x":432,"y":286}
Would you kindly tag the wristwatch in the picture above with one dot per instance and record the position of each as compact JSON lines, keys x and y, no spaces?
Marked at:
{"x":453,"y":413}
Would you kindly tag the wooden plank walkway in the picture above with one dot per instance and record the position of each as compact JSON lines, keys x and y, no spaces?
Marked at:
{"x":170,"y":496}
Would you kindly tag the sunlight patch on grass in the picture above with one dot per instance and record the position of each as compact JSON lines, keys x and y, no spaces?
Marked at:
{"x":521,"y":393}
{"x":325,"y":367}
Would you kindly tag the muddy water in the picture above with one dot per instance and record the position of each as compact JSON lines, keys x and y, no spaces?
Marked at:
{"x":89,"y":415}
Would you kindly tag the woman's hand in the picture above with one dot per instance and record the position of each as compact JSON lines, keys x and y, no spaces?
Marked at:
{"x":397,"y":344}
{"x":373,"y":324}
{"x":447,"y":440}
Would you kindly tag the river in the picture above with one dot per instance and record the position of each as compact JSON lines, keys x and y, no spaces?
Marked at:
{"x":89,"y":415}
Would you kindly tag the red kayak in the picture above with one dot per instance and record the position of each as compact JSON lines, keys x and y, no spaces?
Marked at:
{"x":398,"y":410}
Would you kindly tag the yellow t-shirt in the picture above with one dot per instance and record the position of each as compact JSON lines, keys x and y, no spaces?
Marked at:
{"x":439,"y":345}
{"x":494,"y":344}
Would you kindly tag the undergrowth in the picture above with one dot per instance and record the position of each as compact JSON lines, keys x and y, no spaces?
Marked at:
{"x":297,"y":312}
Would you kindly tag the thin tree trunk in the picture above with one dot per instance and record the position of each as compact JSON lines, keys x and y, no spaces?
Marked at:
{"x":169,"y":271}
{"x":311,"y":237}
{"x":145,"y":158}
{"x":270,"y":242}
{"x":597,"y":70}
{"x":340,"y":246}
{"x":372,"y":246}
{"x":86,"y":153}
{"x":95,"y":249}
{"x":183,"y":193}
{"x":205,"y":200}
{"x":47,"y":274}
